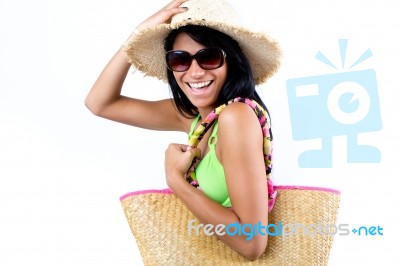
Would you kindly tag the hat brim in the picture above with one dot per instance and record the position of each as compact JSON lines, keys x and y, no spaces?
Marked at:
{"x":145,"y":49}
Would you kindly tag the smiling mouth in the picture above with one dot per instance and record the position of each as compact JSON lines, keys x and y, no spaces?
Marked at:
{"x":199,"y":85}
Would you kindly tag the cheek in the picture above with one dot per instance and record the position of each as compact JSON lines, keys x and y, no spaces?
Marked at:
{"x":223,"y":75}
{"x":178,"y":77}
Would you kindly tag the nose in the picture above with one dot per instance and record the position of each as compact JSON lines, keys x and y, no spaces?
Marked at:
{"x":195,"y":70}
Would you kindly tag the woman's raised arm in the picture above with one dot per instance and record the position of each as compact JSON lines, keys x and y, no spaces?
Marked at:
{"x":105,"y":99}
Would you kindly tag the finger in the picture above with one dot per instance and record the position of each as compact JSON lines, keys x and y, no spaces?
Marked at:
{"x":184,"y":147}
{"x":195,"y":152}
{"x":177,"y":10}
{"x":174,"y":3}
{"x":177,"y":146}
{"x":168,"y":14}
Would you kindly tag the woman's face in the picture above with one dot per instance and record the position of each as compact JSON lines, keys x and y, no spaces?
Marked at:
{"x":202,"y":87}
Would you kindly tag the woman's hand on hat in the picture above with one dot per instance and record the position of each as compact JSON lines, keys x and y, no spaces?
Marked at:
{"x":178,"y":159}
{"x":164,"y":15}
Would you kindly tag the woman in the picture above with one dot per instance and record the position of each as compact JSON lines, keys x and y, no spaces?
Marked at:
{"x":204,"y":68}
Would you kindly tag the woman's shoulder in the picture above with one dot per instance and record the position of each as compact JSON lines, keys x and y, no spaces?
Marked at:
{"x":236,"y":114}
{"x":238,"y":120}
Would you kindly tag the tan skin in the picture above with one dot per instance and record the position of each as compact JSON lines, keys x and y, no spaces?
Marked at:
{"x":242,"y":160}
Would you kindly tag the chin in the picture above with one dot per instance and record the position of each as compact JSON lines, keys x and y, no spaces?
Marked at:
{"x":204,"y":104}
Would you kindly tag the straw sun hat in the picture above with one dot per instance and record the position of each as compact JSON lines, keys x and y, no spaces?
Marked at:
{"x":145,"y":48}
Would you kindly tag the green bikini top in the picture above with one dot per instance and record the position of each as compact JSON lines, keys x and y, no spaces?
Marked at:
{"x":210,"y":172}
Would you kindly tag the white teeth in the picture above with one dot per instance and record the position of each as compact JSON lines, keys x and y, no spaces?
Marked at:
{"x":200,"y":84}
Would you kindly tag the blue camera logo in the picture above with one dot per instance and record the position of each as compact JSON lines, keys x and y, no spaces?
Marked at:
{"x":325,"y":106}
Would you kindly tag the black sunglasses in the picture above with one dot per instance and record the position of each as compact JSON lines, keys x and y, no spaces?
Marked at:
{"x":207,"y":58}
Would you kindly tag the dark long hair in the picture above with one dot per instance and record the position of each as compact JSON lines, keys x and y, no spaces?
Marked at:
{"x":240,"y":80}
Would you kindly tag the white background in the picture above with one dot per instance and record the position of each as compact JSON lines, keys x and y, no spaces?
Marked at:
{"x":62,"y":169}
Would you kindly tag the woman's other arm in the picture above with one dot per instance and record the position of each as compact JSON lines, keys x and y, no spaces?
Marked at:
{"x":239,"y":149}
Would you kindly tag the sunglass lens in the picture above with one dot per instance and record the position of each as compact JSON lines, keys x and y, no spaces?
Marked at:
{"x":210,"y":58}
{"x":179,"y":60}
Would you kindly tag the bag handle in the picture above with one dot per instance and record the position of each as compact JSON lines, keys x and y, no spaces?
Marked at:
{"x":264,"y":120}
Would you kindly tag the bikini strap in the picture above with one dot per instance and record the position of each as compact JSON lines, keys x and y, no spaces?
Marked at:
{"x":212,"y":140}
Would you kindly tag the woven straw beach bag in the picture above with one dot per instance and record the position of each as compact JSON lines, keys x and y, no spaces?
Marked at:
{"x":159,"y":222}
